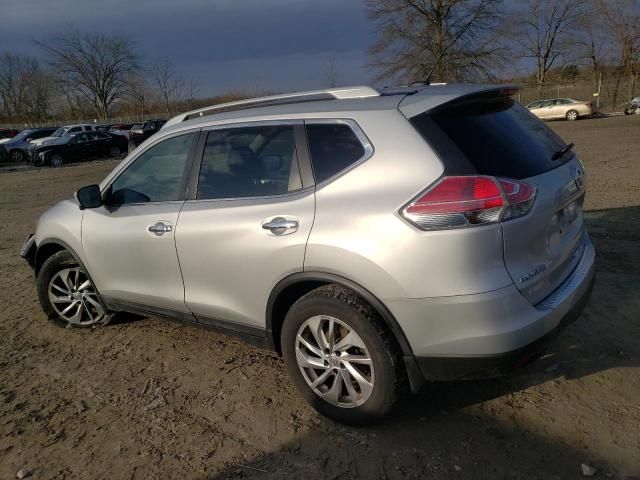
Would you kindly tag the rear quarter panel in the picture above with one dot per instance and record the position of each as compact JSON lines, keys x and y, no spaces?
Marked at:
{"x":359,"y":234}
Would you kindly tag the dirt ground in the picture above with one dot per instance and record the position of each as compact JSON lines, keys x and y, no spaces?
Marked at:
{"x":151,"y":399}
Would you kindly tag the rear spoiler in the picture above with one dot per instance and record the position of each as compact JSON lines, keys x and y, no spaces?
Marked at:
{"x":438,"y":95}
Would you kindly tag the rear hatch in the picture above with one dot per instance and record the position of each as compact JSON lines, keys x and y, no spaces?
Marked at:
{"x":489,"y":133}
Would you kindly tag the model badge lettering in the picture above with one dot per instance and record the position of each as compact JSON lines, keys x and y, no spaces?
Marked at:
{"x":538,"y":270}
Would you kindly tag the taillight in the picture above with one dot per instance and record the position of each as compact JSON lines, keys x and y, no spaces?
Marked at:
{"x":463,"y":201}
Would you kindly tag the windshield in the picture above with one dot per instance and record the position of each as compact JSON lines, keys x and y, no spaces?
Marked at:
{"x":22,"y":135}
{"x":60,"y":132}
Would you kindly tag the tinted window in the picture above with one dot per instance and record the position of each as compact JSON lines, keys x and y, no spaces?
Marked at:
{"x":155,"y":176}
{"x":333,"y":147}
{"x":249,"y":162}
{"x":490,"y":137}
{"x":40,"y":134}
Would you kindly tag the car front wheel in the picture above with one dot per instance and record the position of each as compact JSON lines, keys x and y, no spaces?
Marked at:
{"x":67,"y":295}
{"x":340,"y":357}
{"x":55,"y":161}
{"x":17,"y":156}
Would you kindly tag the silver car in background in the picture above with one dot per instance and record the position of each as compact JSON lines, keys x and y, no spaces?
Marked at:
{"x":373,"y":238}
{"x":560,"y":108}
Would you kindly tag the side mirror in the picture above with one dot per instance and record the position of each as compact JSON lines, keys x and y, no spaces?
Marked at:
{"x":28,"y":139}
{"x":89,"y":197}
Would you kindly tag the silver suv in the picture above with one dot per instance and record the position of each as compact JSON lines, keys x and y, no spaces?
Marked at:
{"x":375,"y":239}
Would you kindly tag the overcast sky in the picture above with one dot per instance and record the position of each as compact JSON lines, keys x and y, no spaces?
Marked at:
{"x":269,"y":44}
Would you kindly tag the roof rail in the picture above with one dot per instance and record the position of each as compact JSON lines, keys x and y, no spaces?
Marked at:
{"x":283,"y":99}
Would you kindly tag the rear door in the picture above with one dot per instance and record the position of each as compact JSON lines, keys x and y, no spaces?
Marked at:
{"x":498,"y":137}
{"x":247,"y":221}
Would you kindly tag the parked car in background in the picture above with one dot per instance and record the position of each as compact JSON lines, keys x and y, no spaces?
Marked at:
{"x":62,"y":131}
{"x":123,"y":129}
{"x":558,"y":108}
{"x":633,"y":107}
{"x":371,"y":237}
{"x":17,"y":148}
{"x":8,"y":133}
{"x":78,"y":147}
{"x":141,"y":131}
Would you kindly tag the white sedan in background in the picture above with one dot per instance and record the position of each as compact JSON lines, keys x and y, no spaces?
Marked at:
{"x":560,"y":108}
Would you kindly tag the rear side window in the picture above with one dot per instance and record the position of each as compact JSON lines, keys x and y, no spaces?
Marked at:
{"x":242,"y":162}
{"x":333,"y":147}
{"x":495,"y":136}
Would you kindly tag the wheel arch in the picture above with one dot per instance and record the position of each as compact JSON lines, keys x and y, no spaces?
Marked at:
{"x":51,"y":246}
{"x":291,"y":288}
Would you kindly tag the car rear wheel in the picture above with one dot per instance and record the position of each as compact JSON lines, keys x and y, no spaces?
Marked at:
{"x":67,"y":295}
{"x":55,"y":161}
{"x":114,"y":152}
{"x":340,"y":357}
{"x":17,"y":156}
{"x":572,"y":115}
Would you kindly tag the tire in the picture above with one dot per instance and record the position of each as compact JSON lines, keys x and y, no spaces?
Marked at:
{"x":348,"y":313}
{"x":17,"y":156}
{"x":60,"y":273}
{"x":572,"y":115}
{"x":114,"y":151}
{"x":55,"y":161}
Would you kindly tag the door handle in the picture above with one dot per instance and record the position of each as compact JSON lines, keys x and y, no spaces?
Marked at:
{"x":281,"y":226}
{"x":159,"y":228}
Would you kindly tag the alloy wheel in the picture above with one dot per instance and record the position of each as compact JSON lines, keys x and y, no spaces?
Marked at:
{"x":56,"y":161}
{"x":334,"y":361}
{"x":74,"y":298}
{"x":16,"y":156}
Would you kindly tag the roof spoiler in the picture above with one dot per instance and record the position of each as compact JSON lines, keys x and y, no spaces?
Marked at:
{"x":439,"y":95}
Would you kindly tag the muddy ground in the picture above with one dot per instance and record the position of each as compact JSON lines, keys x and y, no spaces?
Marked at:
{"x":151,"y":399}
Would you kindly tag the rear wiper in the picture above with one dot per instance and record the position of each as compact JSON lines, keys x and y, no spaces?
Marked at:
{"x":562,"y":151}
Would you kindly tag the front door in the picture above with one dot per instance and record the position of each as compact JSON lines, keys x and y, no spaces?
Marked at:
{"x":130,"y":242}
{"x":247,"y":224}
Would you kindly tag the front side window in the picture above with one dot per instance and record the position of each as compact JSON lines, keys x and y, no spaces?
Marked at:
{"x":249,"y":162}
{"x":158,"y":175}
{"x":333,"y":147}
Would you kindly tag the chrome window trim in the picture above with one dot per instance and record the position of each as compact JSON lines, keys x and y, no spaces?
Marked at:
{"x":369,"y":150}
{"x":257,"y":197}
{"x":252,"y":123}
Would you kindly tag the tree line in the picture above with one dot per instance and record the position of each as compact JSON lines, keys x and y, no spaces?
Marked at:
{"x":97,"y":75}
{"x":489,"y":40}
{"x":89,"y":75}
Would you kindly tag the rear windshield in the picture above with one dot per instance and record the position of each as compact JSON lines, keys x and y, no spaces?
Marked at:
{"x":490,"y":136}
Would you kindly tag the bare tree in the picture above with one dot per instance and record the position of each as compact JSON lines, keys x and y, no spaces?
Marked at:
{"x":622,"y":18}
{"x":550,"y":29}
{"x":171,"y":86}
{"x":453,"y":39}
{"x":95,"y":65}
{"x":331,"y":74}
{"x":26,"y":91}
{"x":140,"y":95}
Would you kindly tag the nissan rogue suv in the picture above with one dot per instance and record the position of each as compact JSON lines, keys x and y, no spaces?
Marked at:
{"x":375,"y":239}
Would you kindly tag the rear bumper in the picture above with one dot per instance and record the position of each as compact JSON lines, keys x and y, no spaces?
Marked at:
{"x":490,"y":334}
